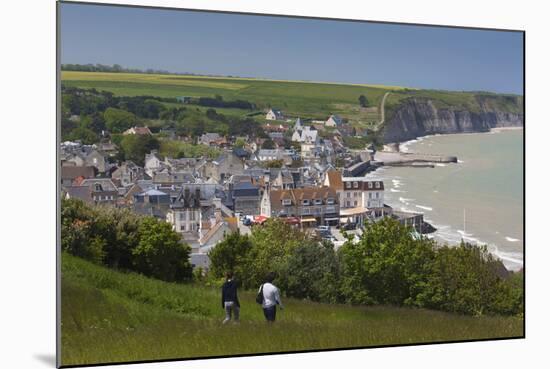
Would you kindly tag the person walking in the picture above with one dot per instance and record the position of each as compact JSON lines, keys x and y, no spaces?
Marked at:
{"x":270,"y":298}
{"x":230,"y":300}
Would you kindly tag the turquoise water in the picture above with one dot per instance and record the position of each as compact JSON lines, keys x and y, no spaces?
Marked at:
{"x":479,"y":199}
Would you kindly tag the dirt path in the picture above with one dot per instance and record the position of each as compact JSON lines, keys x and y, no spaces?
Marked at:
{"x":382,"y":108}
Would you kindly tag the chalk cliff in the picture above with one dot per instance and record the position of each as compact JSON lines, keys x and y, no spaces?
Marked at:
{"x":416,"y":117}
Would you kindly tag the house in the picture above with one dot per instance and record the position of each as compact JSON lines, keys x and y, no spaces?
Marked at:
{"x":274,"y":114}
{"x":69,"y":174}
{"x":185,"y":214}
{"x":138,"y":131}
{"x":183,"y":99}
{"x":276,"y":154}
{"x":246,"y":198}
{"x":97,"y":160}
{"x":209,"y":139}
{"x":128,"y":173}
{"x":284,"y":180}
{"x":153,"y":163}
{"x":152,"y":202}
{"x":298,"y":126}
{"x":312,"y":205}
{"x":98,"y":191}
{"x":168,"y":177}
{"x":306,"y":135}
{"x":334,"y":121}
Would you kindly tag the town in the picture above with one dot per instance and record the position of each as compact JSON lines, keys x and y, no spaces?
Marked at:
{"x":317,"y":184}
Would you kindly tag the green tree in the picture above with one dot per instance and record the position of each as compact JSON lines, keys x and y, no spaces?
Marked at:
{"x":272,"y":246}
{"x":230,"y":255}
{"x":363,"y":101}
{"x":160,"y":254}
{"x":274,"y":163}
{"x":268,"y":144}
{"x":240,"y":142}
{"x":312,"y":272}
{"x":85,"y":135}
{"x":387,"y":266}
{"x":136,"y":146}
{"x":465,"y":279}
{"x":117,"y":120}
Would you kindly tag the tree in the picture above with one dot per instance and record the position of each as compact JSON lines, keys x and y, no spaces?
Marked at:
{"x":268,"y":144}
{"x":465,"y":280}
{"x":240,"y":142}
{"x":387,"y":266}
{"x":272,"y":246}
{"x":363,"y":101}
{"x":274,"y":164}
{"x":136,"y":146}
{"x":230,"y":255}
{"x":117,"y":120}
{"x":160,"y":254}
{"x":312,"y":272}
{"x":85,"y":135}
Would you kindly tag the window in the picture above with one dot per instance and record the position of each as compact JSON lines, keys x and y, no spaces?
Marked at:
{"x":370,"y":184}
{"x":348,"y":184}
{"x":370,"y":195}
{"x":305,"y":202}
{"x":377,"y":184}
{"x":330,"y":201}
{"x":182,"y":227}
{"x":355,"y":185}
{"x":192,"y":215}
{"x":318,"y":201}
{"x":348,"y":194}
{"x":355,"y":203}
{"x":378,"y":195}
{"x":287,"y":202}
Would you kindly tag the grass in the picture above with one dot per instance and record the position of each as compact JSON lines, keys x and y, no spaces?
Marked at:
{"x":109,"y":316}
{"x":298,"y":98}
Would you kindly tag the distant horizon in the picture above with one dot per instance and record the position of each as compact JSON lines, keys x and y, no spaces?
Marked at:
{"x":293,"y":49}
{"x":214,"y":75}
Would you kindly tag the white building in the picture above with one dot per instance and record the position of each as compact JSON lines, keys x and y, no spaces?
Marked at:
{"x":334,"y":121}
{"x":274,"y":114}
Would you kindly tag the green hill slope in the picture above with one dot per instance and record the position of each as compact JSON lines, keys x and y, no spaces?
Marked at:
{"x":109,"y":316}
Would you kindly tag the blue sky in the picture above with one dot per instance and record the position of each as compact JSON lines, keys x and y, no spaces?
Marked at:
{"x":292,"y":48}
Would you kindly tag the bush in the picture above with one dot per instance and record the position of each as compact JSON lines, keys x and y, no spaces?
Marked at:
{"x":312,"y":272}
{"x":159,"y":253}
{"x":387,"y":266}
{"x":121,"y":239}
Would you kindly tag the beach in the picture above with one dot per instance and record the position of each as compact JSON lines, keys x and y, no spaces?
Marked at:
{"x":479,"y":199}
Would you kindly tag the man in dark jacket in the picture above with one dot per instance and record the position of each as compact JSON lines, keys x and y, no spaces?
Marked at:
{"x":230,"y":301}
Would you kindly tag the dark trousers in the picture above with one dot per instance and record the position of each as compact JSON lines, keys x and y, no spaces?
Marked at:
{"x":270,"y":313}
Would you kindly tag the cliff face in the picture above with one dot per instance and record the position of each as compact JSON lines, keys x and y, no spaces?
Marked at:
{"x":420,"y":117}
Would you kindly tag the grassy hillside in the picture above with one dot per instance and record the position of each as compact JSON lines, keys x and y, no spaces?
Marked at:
{"x":305,"y":99}
{"x":315,"y":100}
{"x":108,"y":316}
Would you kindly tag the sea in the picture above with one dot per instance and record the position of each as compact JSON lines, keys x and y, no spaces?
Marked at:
{"x":478,"y":200}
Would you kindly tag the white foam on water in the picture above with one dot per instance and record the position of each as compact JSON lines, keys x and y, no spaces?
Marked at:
{"x":424,"y":207}
{"x":460,"y":161}
{"x":405,"y":200}
{"x":394,"y":190}
{"x":510,"y":239}
{"x":440,"y":165}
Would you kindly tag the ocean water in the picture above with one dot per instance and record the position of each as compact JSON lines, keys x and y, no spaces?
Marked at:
{"x":479,"y":199}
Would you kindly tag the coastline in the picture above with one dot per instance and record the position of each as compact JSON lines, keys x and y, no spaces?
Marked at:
{"x":451,"y":235}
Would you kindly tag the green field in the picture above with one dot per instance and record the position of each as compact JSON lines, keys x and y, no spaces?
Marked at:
{"x":108,"y":316}
{"x":295,"y":98}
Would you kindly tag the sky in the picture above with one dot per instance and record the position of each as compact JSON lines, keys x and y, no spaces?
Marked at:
{"x":293,"y":48}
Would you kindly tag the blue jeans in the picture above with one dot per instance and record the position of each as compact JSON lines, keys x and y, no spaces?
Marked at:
{"x":231,"y":307}
{"x":270,"y":313}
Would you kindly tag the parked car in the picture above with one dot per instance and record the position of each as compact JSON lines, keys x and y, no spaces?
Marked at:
{"x":247,"y":222}
{"x":349,"y":226}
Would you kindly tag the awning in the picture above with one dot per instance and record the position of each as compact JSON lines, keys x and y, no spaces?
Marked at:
{"x":306,"y":220}
{"x":353,"y":211}
{"x":329,"y":219}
